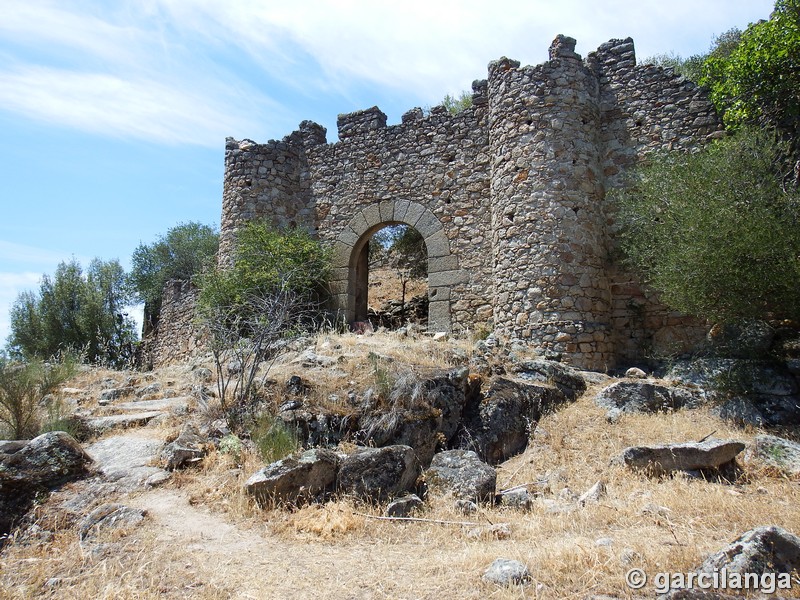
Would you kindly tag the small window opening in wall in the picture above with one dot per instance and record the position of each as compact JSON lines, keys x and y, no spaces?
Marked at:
{"x":396,"y":277}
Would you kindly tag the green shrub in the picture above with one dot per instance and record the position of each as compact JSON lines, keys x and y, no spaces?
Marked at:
{"x":717,"y":232}
{"x":273,"y":439}
{"x":23,"y":388}
{"x":270,"y":294}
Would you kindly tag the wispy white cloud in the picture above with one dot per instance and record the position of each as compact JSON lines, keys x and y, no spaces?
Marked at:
{"x":119,"y":107}
{"x":438,"y":47}
{"x":167,"y":70}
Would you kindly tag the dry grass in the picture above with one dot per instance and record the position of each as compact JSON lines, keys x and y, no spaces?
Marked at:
{"x":205,"y":538}
{"x":385,"y":285}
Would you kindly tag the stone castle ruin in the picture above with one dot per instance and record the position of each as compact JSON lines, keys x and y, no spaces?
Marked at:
{"x":509,"y":195}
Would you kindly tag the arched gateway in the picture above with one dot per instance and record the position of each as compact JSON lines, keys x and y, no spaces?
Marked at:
{"x":349,"y":283}
{"x":509,"y":195}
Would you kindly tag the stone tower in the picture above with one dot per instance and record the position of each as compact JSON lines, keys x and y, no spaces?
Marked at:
{"x":548,"y":224}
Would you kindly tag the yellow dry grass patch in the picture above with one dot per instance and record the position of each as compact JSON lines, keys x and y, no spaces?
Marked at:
{"x":337,"y":550}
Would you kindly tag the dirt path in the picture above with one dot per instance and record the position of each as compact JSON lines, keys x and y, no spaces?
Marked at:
{"x":249,"y":565}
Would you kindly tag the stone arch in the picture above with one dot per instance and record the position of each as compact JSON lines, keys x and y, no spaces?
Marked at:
{"x":349,"y":256}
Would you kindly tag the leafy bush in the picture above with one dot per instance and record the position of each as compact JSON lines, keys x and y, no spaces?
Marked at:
{"x":756,"y":79}
{"x":267,"y":260}
{"x":269,"y":295}
{"x":717,"y":232}
{"x":273,"y":438}
{"x":456,"y":104}
{"x":23,"y":388}
{"x":76,"y":312}
{"x":184,"y":252}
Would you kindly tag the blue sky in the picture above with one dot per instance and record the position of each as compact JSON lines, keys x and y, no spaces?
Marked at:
{"x":113,"y":114}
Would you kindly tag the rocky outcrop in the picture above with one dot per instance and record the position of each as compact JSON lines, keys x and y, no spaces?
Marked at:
{"x":34,"y":467}
{"x":506,"y":416}
{"x":645,"y":396}
{"x":768,"y":549}
{"x":746,"y":391}
{"x":777,"y":452}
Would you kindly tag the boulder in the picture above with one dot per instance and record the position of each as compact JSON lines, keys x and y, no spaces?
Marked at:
{"x":417,"y":428}
{"x":565,"y":378}
{"x":295,"y":478}
{"x":768,"y":549}
{"x":506,"y":572}
{"x":189,"y":447}
{"x":506,"y":415}
{"x":594,"y":494}
{"x":777,"y":452}
{"x":463,"y":474}
{"x":32,"y":468}
{"x":403,"y":507}
{"x":635,"y":373}
{"x":746,"y":339}
{"x":710,"y":455}
{"x":379,"y":473}
{"x":519,"y":498}
{"x":645,"y":396}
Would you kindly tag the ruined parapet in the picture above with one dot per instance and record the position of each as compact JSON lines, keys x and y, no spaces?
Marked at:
{"x":176,"y":336}
{"x":646,"y":108}
{"x":268,"y":181}
{"x":360,"y":123}
{"x":549,"y":242}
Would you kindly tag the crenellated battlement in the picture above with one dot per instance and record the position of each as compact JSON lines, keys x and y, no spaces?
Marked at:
{"x":509,"y":195}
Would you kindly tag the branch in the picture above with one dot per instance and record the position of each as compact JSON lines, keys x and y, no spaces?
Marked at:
{"x":418,"y":520}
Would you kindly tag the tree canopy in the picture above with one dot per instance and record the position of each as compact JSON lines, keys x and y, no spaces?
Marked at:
{"x":757,"y":81}
{"x":76,"y":312}
{"x":182,"y":253}
{"x":717,"y":232}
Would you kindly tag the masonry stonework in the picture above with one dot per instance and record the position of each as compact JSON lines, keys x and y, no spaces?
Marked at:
{"x":509,"y":195}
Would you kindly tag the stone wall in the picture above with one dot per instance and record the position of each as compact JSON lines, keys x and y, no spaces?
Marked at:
{"x":510,"y":196}
{"x":175,"y":337}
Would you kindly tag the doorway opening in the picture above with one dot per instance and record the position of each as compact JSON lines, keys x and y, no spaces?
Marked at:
{"x":392,"y":278}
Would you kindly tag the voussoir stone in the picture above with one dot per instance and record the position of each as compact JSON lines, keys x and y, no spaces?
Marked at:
{"x":295,"y":478}
{"x":691,"y":456}
{"x":463,"y":474}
